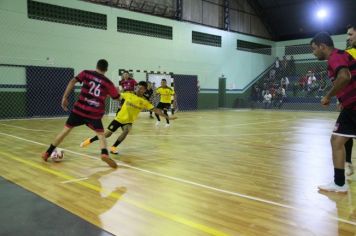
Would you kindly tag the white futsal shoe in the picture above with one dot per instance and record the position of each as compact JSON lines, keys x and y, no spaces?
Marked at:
{"x":332,"y":187}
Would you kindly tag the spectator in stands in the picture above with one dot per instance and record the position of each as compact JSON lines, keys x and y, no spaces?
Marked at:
{"x":272,"y":75}
{"x":311,"y":82}
{"x":292,"y":66}
{"x":279,"y":97}
{"x":284,"y":83}
{"x":302,"y":82}
{"x":277,"y":62}
{"x":322,"y":87}
{"x":255,"y":92}
{"x":284,"y":67}
{"x":267,"y":99}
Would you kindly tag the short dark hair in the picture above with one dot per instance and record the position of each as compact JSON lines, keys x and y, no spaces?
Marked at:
{"x":102,"y":65}
{"x":353,"y":26}
{"x":323,"y":38}
{"x":164,"y":80}
{"x":143,"y":83}
{"x":125,"y":71}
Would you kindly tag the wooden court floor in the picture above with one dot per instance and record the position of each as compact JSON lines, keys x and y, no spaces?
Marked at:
{"x":224,"y":172}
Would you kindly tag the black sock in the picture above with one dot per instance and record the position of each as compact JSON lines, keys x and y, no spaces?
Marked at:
{"x":93,"y":139}
{"x":159,"y":119}
{"x":173,"y":111}
{"x":348,"y":149}
{"x":104,"y":151}
{"x":166,"y":113}
{"x":339,"y":176}
{"x":117,"y":143}
{"x":51,"y":149}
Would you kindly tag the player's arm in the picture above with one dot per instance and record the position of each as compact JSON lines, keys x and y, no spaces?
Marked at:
{"x":342,"y":79}
{"x":160,"y":113}
{"x":68,"y":90}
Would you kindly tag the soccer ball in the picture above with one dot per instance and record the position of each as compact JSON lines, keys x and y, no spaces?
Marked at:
{"x":57,"y":155}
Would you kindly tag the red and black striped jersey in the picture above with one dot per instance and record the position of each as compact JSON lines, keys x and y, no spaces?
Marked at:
{"x":340,"y":59}
{"x":96,"y":87}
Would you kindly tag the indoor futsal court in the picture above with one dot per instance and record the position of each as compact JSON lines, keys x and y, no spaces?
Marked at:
{"x":224,"y":117}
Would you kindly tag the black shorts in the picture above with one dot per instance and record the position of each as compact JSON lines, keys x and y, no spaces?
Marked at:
{"x":346,"y":124}
{"x":75,"y":120}
{"x":163,"y":106}
{"x":114,"y":125}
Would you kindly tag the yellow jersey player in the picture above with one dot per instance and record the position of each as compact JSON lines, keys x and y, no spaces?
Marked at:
{"x":133,"y":105}
{"x":164,"y":104}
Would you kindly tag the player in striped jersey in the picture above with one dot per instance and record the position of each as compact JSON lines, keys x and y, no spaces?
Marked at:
{"x":89,"y":108}
{"x":342,"y":72}
{"x":351,"y":49}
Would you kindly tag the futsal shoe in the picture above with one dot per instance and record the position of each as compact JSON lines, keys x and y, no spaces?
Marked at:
{"x":114,"y":150}
{"x":332,"y":187}
{"x":86,"y":143}
{"x":158,"y":123}
{"x":349,"y":169}
{"x":45,"y":156}
{"x":105,"y":158}
{"x":167,"y":125}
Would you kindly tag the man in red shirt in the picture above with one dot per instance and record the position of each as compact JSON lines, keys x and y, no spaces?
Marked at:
{"x":342,"y":72}
{"x":89,"y":108}
{"x":127,"y":84}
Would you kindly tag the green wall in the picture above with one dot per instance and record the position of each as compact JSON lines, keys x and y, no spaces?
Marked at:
{"x":34,"y":42}
{"x":27,"y":41}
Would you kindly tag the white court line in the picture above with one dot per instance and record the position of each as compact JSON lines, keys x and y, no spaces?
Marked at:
{"x":36,"y":118}
{"x":73,"y":180}
{"x":161,"y":135}
{"x":252,"y":123}
{"x":203,"y":186}
{"x":23,"y":128}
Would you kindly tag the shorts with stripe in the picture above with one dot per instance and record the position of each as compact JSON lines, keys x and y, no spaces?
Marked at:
{"x":75,"y":120}
{"x":114,"y":125}
{"x":346,"y":123}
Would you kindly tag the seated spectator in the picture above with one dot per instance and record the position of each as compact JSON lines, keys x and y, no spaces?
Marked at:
{"x":284,"y":82}
{"x":302,"y":82}
{"x":267,"y":99}
{"x":279,"y":98}
{"x":321,"y":89}
{"x":254,"y":96}
{"x":311,"y":83}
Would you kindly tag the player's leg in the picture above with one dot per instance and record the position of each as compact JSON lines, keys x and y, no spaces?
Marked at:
{"x":58,"y":140}
{"x":98,"y":127}
{"x":72,"y":121}
{"x":172,"y":107}
{"x":126,"y":128}
{"x":113,"y":126}
{"x":104,"y":151}
{"x":161,"y":107}
{"x":349,"y":169}
{"x":344,"y":129}
{"x":165,"y":111}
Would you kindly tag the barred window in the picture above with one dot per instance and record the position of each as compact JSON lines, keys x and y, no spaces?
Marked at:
{"x":130,"y":26}
{"x":65,"y":15}
{"x":254,"y":47}
{"x":206,"y":39}
{"x":297,"y":49}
